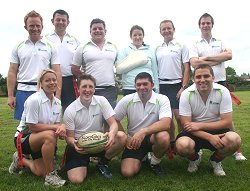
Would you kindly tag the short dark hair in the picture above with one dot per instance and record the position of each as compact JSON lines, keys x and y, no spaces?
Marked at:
{"x":143,"y":75}
{"x":85,"y":77}
{"x":167,"y":21}
{"x":61,"y":12}
{"x":204,"y":16}
{"x":97,"y":20}
{"x":203,"y":66}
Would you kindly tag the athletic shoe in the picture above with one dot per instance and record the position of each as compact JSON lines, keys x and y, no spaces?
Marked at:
{"x":94,"y":160}
{"x":54,"y":180}
{"x":157,"y":169}
{"x":200,"y":153}
{"x":217,"y":166}
{"x":103,"y":169}
{"x":239,"y":156}
{"x":193,"y":165}
{"x":14,"y":166}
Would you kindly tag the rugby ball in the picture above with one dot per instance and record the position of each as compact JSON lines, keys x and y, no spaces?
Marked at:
{"x":92,"y":142}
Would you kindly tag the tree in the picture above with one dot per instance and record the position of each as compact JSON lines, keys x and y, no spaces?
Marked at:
{"x":3,"y":85}
{"x":232,"y":78}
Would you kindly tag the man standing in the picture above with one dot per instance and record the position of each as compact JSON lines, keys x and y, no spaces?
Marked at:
{"x":206,"y":116}
{"x":174,"y":70}
{"x":149,"y":117}
{"x":66,"y":45}
{"x":212,"y":51}
{"x":28,"y":59}
{"x":97,"y":57}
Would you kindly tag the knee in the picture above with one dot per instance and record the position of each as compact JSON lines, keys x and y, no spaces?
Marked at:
{"x":233,"y":140}
{"x":162,"y":139}
{"x":129,"y":172}
{"x":121,"y":137}
{"x":50,"y":137}
{"x":184,"y":146}
{"x":76,"y":179}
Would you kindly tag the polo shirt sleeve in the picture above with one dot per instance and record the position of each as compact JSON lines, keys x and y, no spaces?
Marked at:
{"x":78,"y":56}
{"x":54,"y":55}
{"x":31,"y":106}
{"x":121,"y":109}
{"x":14,"y":56}
{"x":193,"y":51}
{"x":226,"y":102}
{"x":165,"y":108}
{"x":185,"y":107}
{"x":69,"y":118}
{"x":185,"y":54}
{"x":106,"y":108}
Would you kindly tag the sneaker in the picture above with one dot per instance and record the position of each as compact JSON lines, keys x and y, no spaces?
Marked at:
{"x":54,"y":180}
{"x":14,"y":166}
{"x":157,"y":169}
{"x":94,"y":160}
{"x":217,"y":166}
{"x":239,"y":156}
{"x":200,"y":153}
{"x":103,"y":169}
{"x":193,"y":165}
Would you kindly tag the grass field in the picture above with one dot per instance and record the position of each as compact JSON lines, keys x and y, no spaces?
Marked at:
{"x":177,"y":178}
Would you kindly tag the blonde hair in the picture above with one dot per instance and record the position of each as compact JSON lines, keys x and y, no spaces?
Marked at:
{"x":40,"y":79}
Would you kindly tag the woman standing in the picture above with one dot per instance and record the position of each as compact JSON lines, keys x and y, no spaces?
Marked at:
{"x":150,"y":66}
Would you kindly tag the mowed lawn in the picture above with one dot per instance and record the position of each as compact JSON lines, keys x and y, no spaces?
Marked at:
{"x":177,"y":178}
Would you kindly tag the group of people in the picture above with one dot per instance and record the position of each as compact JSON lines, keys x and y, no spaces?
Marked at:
{"x":155,"y":91}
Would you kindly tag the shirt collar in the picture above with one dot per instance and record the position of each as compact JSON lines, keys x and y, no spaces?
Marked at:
{"x":151,"y":100}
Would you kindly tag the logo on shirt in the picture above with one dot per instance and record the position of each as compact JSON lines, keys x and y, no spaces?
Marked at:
{"x":39,"y":49}
{"x":214,"y":103}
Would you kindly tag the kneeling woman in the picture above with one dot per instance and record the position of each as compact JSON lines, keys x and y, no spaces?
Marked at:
{"x":40,"y":127}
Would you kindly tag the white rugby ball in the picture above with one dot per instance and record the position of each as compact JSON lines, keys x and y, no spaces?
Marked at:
{"x":92,"y":142}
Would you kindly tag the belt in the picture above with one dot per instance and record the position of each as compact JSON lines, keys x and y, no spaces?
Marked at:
{"x":165,"y":79}
{"x":104,"y":87}
{"x":28,"y":83}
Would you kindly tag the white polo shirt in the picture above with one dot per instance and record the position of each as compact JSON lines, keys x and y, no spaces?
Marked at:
{"x":32,"y":59}
{"x":171,"y":57}
{"x":99,"y":63}
{"x":66,"y":49}
{"x":202,"y":49}
{"x":38,"y":109}
{"x":218,"y":102}
{"x":139,"y":116}
{"x":80,"y":119}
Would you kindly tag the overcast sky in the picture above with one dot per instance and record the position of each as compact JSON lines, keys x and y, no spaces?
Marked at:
{"x":232,"y":23}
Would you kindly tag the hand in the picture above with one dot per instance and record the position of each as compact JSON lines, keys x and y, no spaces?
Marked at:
{"x":191,"y":126}
{"x":216,"y":141}
{"x":136,"y":140}
{"x":178,"y":95}
{"x":78,"y":149}
{"x":11,"y":102}
{"x":61,"y":131}
{"x":111,"y":139}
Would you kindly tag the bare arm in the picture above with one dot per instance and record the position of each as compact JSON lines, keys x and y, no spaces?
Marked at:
{"x":224,"y":123}
{"x":223,"y":56}
{"x":11,"y":83}
{"x":113,"y":129}
{"x":57,"y":69}
{"x":76,"y":70}
{"x":186,"y":76}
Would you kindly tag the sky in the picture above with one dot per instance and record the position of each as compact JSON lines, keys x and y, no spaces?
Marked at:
{"x":231,"y":22}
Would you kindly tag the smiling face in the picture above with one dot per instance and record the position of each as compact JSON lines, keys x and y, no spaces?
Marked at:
{"x":206,"y":26}
{"x":34,"y":27}
{"x":48,"y":83}
{"x":137,"y":37}
{"x":167,"y":31}
{"x":144,"y":88}
{"x":87,"y":90}
{"x":97,"y":32}
{"x":60,"y":22}
{"x":203,"y":79}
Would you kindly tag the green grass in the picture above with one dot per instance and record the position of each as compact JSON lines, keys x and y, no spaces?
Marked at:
{"x":177,"y":178}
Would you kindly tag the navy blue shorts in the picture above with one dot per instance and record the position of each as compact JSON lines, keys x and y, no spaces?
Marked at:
{"x":21,"y":97}
{"x":110,"y":93}
{"x":68,"y":93}
{"x":201,"y":143}
{"x":171,"y":90}
{"x":146,"y":146}
{"x":127,"y":91}
{"x":75,"y":159}
{"x":26,"y":147}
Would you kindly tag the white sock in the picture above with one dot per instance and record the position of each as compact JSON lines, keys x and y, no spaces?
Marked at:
{"x":154,"y":160}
